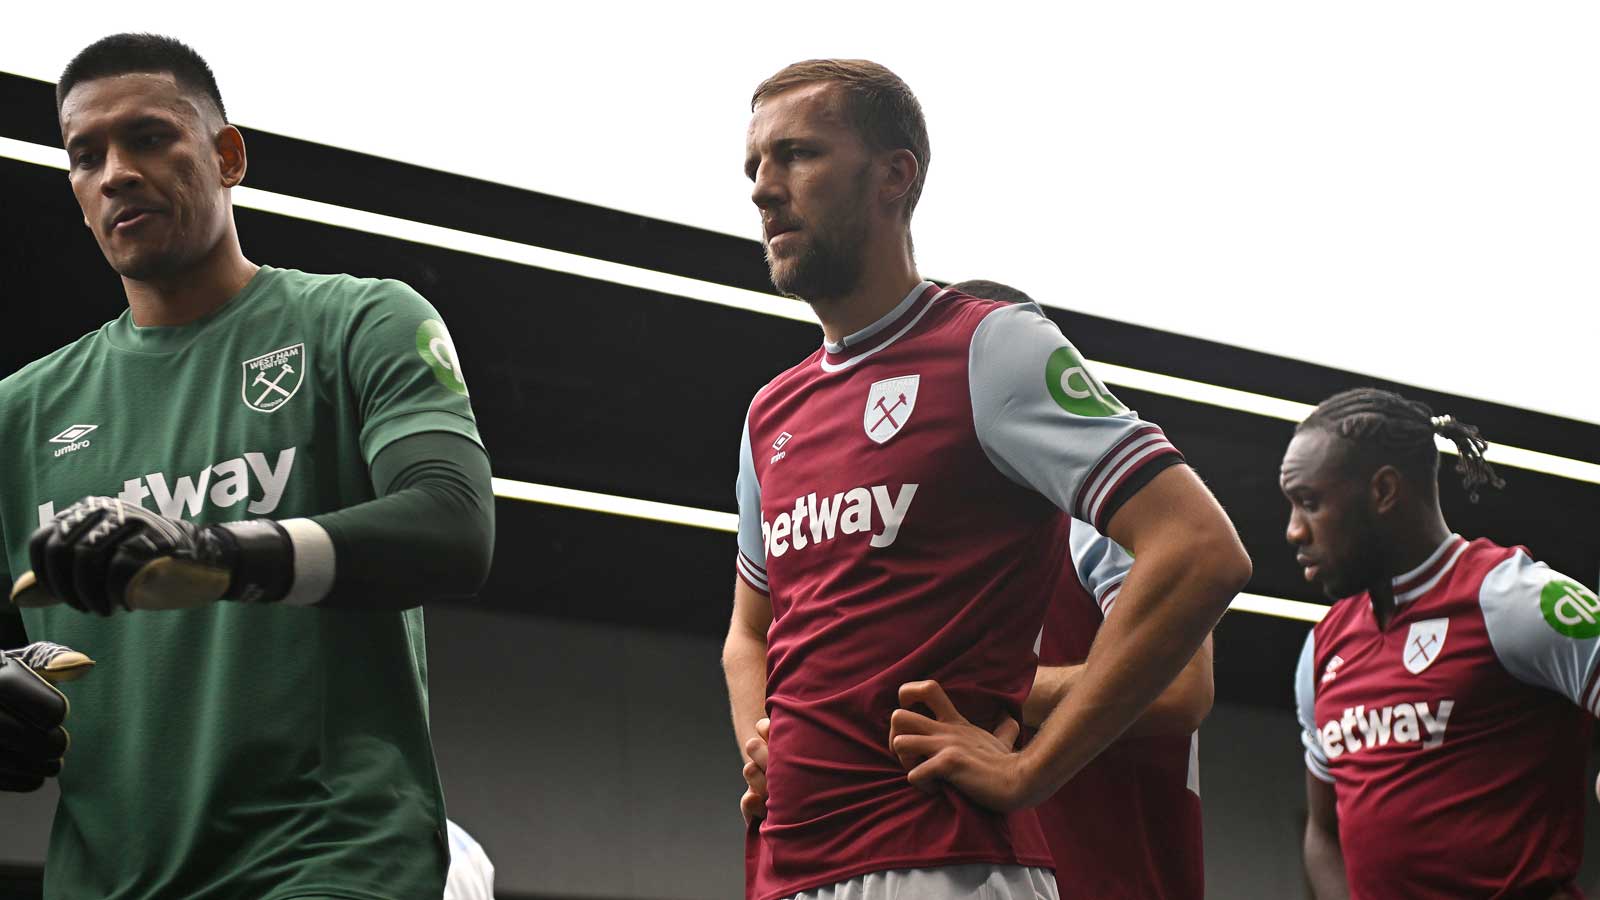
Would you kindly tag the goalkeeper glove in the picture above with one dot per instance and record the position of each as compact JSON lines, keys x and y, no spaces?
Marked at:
{"x":102,"y":554}
{"x":32,"y":740}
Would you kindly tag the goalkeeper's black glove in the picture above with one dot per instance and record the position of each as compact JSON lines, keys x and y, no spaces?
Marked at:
{"x":102,"y":554}
{"x":32,"y":740}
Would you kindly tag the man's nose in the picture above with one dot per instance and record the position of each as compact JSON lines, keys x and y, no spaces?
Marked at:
{"x":768,"y":191}
{"x":1296,"y":532}
{"x":118,"y":173}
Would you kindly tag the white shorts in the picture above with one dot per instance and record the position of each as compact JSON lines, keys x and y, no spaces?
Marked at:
{"x":976,"y":881}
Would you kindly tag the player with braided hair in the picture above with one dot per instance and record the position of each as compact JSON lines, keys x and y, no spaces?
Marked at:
{"x":1446,"y":698}
{"x":1385,"y":422}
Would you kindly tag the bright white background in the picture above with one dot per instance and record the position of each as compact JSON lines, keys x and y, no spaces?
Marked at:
{"x":1408,"y":189}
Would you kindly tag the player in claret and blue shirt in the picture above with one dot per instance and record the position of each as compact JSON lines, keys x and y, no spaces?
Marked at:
{"x":1447,"y":696}
{"x":235,"y":496}
{"x":905,"y":496}
{"x":1149,"y":780}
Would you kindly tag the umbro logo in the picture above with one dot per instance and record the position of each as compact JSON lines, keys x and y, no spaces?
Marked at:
{"x":72,"y":434}
{"x":778,"y":446}
{"x":1331,"y":670}
{"x":73,"y":439}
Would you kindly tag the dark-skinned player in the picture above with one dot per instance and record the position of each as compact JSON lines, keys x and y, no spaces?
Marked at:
{"x":1446,"y":698}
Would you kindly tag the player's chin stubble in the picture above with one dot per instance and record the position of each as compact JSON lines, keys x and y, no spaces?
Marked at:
{"x":822,"y":270}
{"x":163,"y":258}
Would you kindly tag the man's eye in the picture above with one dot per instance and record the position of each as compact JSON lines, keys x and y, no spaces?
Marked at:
{"x":84,"y":160}
{"x":148,"y":141}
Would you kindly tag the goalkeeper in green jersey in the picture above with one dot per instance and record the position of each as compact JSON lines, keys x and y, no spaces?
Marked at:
{"x":234,"y":497}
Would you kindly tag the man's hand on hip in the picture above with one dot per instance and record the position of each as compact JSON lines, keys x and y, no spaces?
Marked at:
{"x":754,"y":802}
{"x":32,"y":741}
{"x":981,"y":764}
{"x":101,"y":555}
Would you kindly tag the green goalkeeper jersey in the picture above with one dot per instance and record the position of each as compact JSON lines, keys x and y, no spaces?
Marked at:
{"x":239,"y":751}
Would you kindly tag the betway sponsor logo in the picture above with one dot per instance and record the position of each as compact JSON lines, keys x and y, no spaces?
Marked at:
{"x":1404,"y":723}
{"x":224,"y":484}
{"x":859,"y":510}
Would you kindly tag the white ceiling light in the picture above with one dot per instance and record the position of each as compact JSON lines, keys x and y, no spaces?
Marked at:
{"x":757,"y":302}
{"x":672,"y":513}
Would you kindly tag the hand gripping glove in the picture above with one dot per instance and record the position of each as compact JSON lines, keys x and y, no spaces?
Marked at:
{"x":32,"y":740}
{"x":101,"y":554}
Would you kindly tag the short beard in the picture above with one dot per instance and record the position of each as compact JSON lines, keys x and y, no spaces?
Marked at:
{"x":154,"y":267}
{"x":161,"y":264}
{"x":830,"y":266}
{"x":823,"y":271}
{"x":1366,"y":568}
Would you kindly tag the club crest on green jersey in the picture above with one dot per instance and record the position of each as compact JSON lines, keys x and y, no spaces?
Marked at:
{"x":1570,"y":608}
{"x":439,"y":352}
{"x":1075,"y":389}
{"x":272,"y":378}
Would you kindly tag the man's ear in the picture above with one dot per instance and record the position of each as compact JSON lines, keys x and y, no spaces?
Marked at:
{"x":1384,"y":490}
{"x":231,"y":156}
{"x":900,"y":175}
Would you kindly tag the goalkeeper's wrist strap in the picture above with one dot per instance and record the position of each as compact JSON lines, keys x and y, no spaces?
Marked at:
{"x":280,"y":562}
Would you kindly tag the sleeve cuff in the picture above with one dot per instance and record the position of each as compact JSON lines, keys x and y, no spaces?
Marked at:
{"x":1591,"y":693}
{"x":753,"y":575}
{"x":313,"y":562}
{"x":377,"y":435}
{"x":1119,"y":474}
{"x":1318,"y":769}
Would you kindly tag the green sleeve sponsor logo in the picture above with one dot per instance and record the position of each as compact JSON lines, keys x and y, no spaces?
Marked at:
{"x":436,"y":349}
{"x":1570,"y":608}
{"x":1075,"y":389}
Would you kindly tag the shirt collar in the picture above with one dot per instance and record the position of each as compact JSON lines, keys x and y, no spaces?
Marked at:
{"x":1423,"y":578}
{"x":858,"y":345}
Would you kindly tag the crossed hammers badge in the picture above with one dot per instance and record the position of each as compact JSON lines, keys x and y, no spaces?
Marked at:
{"x":889,"y":406}
{"x":272,"y":378}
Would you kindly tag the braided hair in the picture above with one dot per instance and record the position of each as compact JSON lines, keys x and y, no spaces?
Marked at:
{"x":1397,"y":431}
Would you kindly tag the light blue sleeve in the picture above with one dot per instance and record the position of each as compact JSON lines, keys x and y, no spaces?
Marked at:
{"x":471,"y":875}
{"x":1544,"y":626}
{"x":1305,"y":701}
{"x":1101,"y":563}
{"x":751,"y":563}
{"x":1046,"y":422}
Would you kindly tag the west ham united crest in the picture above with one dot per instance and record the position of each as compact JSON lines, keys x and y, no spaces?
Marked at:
{"x":272,"y":378}
{"x":1424,"y":644}
{"x":889,"y":405}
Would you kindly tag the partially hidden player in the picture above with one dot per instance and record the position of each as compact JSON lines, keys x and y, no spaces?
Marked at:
{"x":904,"y":498}
{"x":236,"y":496}
{"x":1148,"y":782}
{"x":1447,"y":696}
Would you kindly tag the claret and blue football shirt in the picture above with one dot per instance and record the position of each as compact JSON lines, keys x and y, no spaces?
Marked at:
{"x":904,"y":499}
{"x":1455,"y":738}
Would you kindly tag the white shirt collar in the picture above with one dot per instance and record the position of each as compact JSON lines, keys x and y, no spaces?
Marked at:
{"x":1423,"y":578}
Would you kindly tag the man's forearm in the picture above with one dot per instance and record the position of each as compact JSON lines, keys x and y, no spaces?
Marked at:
{"x":744,"y":665}
{"x":429,"y":535}
{"x":1166,"y":608}
{"x":1179,"y":710}
{"x":1051,"y":685}
{"x":1325,"y":865}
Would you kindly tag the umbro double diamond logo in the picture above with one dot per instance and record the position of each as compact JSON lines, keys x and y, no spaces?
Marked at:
{"x":73,"y":438}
